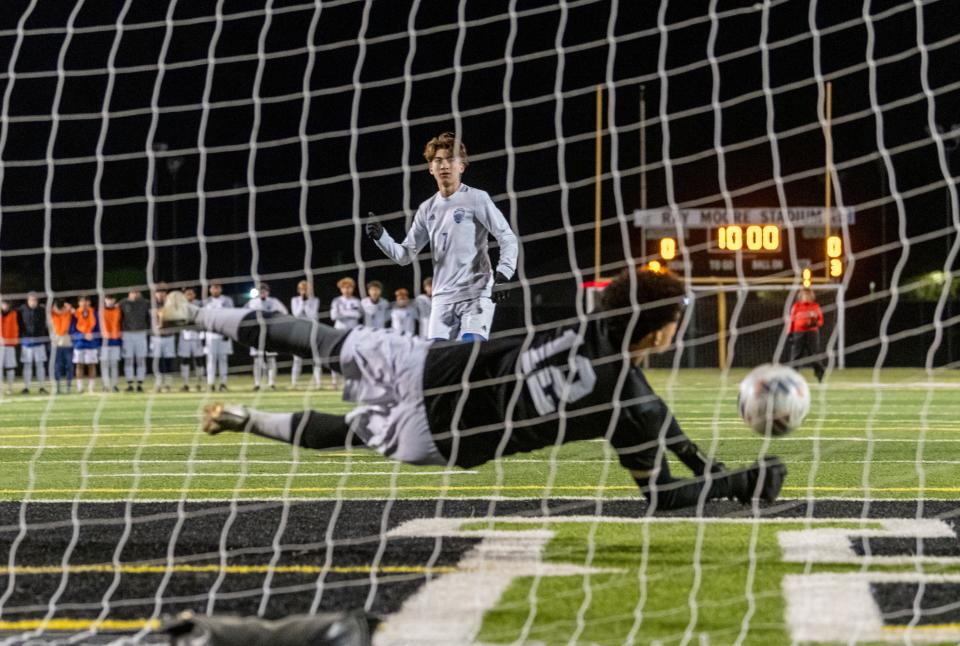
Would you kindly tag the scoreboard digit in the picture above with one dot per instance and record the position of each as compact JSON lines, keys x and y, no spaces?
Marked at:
{"x":753,"y":237}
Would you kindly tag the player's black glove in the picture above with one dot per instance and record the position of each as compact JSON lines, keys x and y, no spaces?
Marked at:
{"x":373,"y":228}
{"x":501,"y":288}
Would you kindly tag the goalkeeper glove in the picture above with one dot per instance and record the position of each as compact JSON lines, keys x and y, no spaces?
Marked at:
{"x":373,"y":228}
{"x":500,"y":287}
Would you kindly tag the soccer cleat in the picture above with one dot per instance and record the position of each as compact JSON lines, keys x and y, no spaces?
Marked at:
{"x":223,"y":388}
{"x":770,"y":475}
{"x":219,"y":417}
{"x":176,"y":311}
{"x":42,"y":391}
{"x":25,"y":391}
{"x":184,"y":388}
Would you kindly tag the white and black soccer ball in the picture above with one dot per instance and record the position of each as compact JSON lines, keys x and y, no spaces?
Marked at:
{"x":773,"y":399}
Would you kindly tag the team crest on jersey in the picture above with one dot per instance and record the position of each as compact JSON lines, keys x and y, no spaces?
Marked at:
{"x":458,"y":215}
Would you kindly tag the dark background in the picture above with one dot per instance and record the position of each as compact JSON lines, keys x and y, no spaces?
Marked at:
{"x":92,"y":204}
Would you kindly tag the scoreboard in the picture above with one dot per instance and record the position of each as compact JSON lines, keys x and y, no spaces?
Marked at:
{"x":712,"y":243}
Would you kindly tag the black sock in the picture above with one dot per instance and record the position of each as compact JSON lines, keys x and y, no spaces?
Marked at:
{"x":321,"y":431}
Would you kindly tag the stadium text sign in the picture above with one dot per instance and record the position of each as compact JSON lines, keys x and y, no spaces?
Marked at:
{"x":799,"y":216}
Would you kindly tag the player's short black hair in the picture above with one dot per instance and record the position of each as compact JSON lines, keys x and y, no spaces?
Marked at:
{"x":375,"y":283}
{"x":660,"y":296}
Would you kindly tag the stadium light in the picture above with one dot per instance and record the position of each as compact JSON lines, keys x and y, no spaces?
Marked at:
{"x":254,"y":292}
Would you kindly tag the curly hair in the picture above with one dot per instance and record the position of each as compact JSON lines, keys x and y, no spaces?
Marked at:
{"x":445,"y":141}
{"x":660,"y":296}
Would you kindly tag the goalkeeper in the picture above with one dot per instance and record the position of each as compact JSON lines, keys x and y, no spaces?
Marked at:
{"x":456,"y":221}
{"x":422,"y":402}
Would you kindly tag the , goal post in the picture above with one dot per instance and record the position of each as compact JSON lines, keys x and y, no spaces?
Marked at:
{"x":746,"y":145}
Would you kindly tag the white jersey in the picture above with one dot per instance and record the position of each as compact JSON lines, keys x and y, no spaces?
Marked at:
{"x":375,"y":314}
{"x":217,"y":344}
{"x":423,"y":305}
{"x":404,"y":319}
{"x":268,"y":304}
{"x":188,"y":335}
{"x":457,"y":228}
{"x":305,"y":308}
{"x":345,"y":312}
{"x":219,"y":302}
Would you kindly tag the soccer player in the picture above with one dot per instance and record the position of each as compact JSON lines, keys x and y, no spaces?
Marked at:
{"x":345,"y":309}
{"x":163,"y":343}
{"x":403,"y":315}
{"x":134,"y":324}
{"x":61,"y":316}
{"x":456,"y":221}
{"x":85,"y":330}
{"x":263,"y":357}
{"x":803,"y":340}
{"x":304,"y":306}
{"x":376,"y":310}
{"x":33,"y":342}
{"x":10,"y":331}
{"x":190,"y":351}
{"x":423,"y":303}
{"x":560,"y":385}
{"x":110,"y":322}
{"x":217,"y":348}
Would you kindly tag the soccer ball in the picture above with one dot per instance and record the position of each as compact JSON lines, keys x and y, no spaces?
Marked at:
{"x":773,"y":399}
